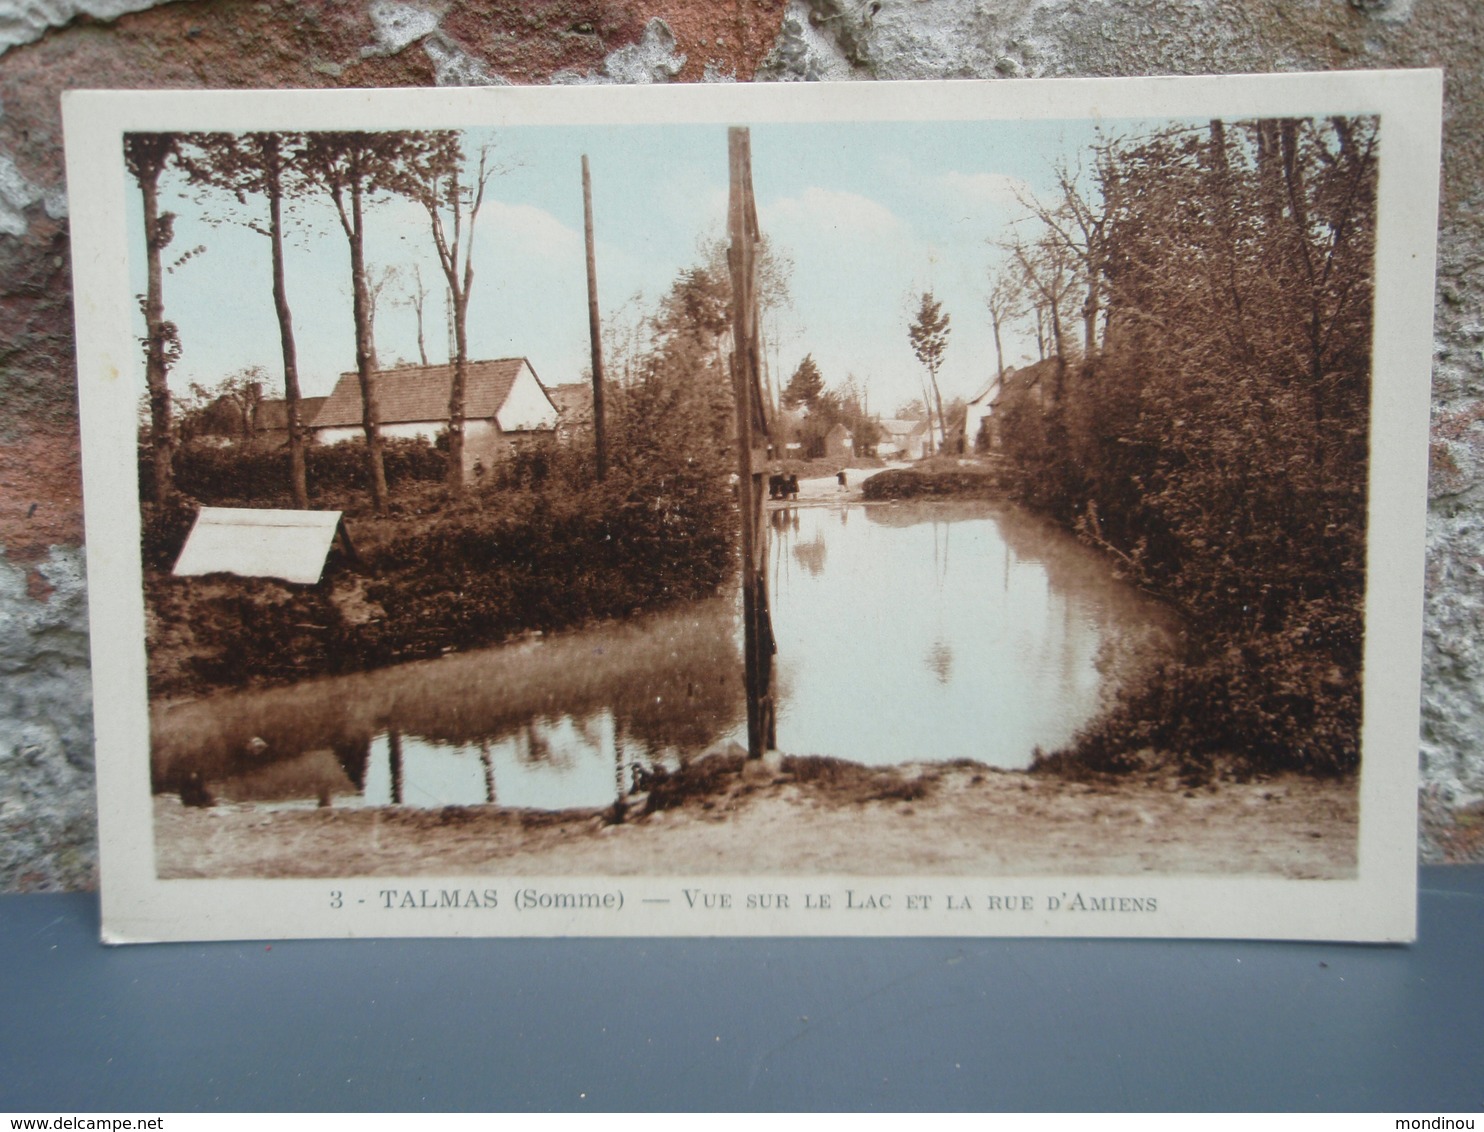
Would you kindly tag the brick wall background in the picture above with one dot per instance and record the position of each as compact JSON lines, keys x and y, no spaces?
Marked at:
{"x":47,"y":46}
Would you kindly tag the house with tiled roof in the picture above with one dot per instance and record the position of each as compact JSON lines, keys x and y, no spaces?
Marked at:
{"x":839,"y":444}
{"x":902,"y":439}
{"x":504,"y":404}
{"x":271,"y":419}
{"x":1027,"y":385}
{"x":977,"y":412}
{"x":574,"y":404}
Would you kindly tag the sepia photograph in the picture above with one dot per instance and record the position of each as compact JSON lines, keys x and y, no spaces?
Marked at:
{"x":774,"y":503}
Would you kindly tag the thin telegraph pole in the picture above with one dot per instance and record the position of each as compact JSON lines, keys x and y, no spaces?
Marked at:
{"x":594,"y":328}
{"x":752,"y":426}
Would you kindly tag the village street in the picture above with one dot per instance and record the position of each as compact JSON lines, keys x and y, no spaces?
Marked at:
{"x":827,"y":489}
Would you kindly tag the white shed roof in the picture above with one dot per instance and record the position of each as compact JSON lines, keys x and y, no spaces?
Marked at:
{"x":259,"y":543}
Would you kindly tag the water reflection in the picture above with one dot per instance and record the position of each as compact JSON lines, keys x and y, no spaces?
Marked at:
{"x":811,"y":554}
{"x":905,"y":632}
{"x":939,"y":631}
{"x":548,"y":724}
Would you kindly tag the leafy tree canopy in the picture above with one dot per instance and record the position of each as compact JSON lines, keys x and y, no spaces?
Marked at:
{"x":929,"y":333}
{"x":805,"y":386}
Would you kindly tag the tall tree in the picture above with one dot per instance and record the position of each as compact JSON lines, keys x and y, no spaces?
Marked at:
{"x":679,"y":402}
{"x":383,"y":280}
{"x":928,"y":335}
{"x":234,"y":399}
{"x":263,"y":165}
{"x":1049,"y":270}
{"x":773,"y":280}
{"x":774,"y":274}
{"x":1005,"y":302}
{"x":355,"y":168}
{"x":146,"y":156}
{"x":805,"y":386}
{"x":415,"y":295}
{"x":452,"y":192}
{"x":1074,"y":228}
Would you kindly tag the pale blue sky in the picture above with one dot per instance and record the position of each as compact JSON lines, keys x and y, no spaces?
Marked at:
{"x":871,"y":214}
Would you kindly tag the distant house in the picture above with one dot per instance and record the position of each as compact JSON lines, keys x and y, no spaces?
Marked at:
{"x":903,"y":440}
{"x":1027,"y":385}
{"x":504,"y":403}
{"x":574,"y":406}
{"x":271,"y":419}
{"x":220,"y":423}
{"x":784,"y":439}
{"x":838,"y":443}
{"x":978,"y":410}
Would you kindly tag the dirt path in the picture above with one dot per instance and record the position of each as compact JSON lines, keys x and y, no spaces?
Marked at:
{"x":967,"y":821}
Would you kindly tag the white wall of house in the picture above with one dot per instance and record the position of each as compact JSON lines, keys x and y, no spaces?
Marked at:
{"x":405,"y":430}
{"x":975,"y":416}
{"x":483,"y":445}
{"x":527,"y":408}
{"x":909,"y":446}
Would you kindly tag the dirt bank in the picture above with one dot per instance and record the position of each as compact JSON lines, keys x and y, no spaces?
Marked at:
{"x":964,"y":820}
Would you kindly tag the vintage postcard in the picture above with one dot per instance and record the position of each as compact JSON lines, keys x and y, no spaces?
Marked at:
{"x":982,"y":508}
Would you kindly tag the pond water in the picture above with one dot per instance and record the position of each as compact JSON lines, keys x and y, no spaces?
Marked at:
{"x":906,"y":632}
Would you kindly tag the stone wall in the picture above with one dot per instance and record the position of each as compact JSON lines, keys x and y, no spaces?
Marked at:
{"x":47,"y":46}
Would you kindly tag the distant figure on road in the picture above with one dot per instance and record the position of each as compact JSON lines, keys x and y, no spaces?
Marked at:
{"x":793,"y":485}
{"x":840,"y":476}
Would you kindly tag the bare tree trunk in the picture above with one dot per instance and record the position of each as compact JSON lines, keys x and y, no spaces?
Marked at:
{"x":1091,"y":307}
{"x":594,"y":326}
{"x":298,"y":480}
{"x":927,"y":405}
{"x":1061,"y":353}
{"x":942,"y":421}
{"x":156,"y":237}
{"x":456,"y":396}
{"x":366,"y":355}
{"x":419,"y":299}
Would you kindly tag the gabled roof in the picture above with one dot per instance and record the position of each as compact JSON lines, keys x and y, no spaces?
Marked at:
{"x":986,"y":390}
{"x":420,"y":393}
{"x":1027,"y":377}
{"x":573,"y":401}
{"x":274,"y":415}
{"x":901,"y":427}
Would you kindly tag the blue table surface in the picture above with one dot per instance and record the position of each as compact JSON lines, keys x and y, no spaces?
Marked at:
{"x":742,"y":1024}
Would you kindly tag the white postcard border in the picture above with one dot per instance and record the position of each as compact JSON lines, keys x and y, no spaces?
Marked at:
{"x":1379,"y":905}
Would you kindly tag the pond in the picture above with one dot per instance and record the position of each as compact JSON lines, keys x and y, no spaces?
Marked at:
{"x":906,"y":632}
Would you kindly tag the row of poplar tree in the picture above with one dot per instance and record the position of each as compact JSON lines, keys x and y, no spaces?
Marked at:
{"x":265,"y":171}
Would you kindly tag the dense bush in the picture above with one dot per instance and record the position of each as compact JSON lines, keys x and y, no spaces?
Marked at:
{"x":1217,"y":444}
{"x":906,"y":483}
{"x":1268,"y":701}
{"x":163,"y":529}
{"x":539,"y":551}
{"x":238,"y":475}
{"x":536,"y":543}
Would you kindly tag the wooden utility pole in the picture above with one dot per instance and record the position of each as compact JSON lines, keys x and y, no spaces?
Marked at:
{"x":594,"y":328}
{"x":752,"y":428}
